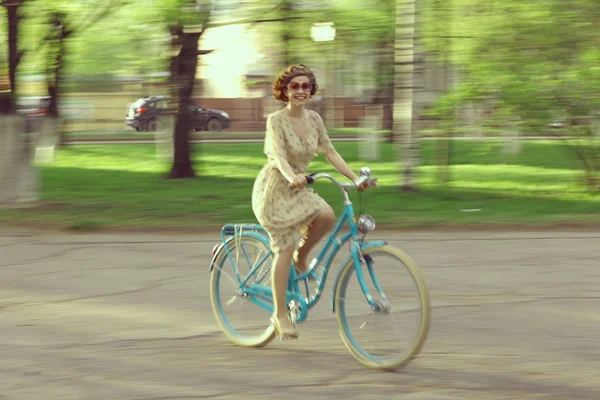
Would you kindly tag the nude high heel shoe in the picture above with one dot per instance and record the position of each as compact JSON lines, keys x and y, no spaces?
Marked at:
{"x":281,"y":333}
{"x":298,"y":270}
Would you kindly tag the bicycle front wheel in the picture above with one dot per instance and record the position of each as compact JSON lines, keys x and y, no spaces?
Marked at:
{"x":242,"y":320}
{"x":393,"y":334}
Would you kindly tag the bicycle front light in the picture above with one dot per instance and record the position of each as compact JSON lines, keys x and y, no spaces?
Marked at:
{"x":365,"y":223}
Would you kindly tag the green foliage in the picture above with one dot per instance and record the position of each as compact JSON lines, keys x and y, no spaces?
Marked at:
{"x":179,"y":12}
{"x":133,"y":41}
{"x":362,"y":26}
{"x":527,"y":64}
{"x":538,"y":61}
{"x":367,"y":28}
{"x":123,"y":48}
{"x":110,"y":38}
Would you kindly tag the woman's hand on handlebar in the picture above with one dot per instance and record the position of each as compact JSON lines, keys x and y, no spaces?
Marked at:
{"x":365,"y":181}
{"x":300,"y":181}
{"x":366,"y":184}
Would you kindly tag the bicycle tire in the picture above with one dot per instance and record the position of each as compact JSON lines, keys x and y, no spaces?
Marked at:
{"x":259,"y":340}
{"x":360,"y":354}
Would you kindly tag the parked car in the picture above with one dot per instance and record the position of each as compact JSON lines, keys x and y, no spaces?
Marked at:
{"x":145,"y":115}
{"x":33,"y":106}
{"x":35,"y":109}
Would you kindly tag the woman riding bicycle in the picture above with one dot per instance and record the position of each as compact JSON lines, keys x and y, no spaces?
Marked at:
{"x":291,"y":214}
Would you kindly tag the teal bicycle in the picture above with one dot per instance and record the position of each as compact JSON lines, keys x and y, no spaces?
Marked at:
{"x":240,"y":286}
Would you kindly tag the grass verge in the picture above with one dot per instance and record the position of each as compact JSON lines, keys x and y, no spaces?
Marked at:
{"x":113,"y":186}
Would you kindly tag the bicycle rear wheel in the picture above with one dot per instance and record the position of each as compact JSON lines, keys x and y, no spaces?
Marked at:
{"x":243,"y":321}
{"x":390,"y":337}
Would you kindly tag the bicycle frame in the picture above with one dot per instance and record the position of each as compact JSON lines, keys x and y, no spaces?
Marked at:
{"x":263,"y":295}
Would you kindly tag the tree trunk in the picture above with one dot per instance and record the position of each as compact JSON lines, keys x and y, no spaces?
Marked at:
{"x":403,"y":88}
{"x":53,"y":80}
{"x":18,"y":177}
{"x":183,"y":75}
{"x":7,"y":100}
{"x":182,"y":163}
{"x":50,"y":135}
{"x":53,"y":94}
{"x":13,"y":50}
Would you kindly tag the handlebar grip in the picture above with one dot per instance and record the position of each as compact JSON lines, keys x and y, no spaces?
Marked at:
{"x":309,"y":179}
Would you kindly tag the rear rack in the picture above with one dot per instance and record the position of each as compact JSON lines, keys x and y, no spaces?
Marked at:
{"x":235,"y":229}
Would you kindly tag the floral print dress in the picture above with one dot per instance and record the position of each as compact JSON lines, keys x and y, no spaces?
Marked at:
{"x":286,"y":212}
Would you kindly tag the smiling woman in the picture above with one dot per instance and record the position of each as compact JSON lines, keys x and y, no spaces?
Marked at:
{"x":281,"y":203}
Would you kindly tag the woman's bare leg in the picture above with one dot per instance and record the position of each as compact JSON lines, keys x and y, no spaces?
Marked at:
{"x":281,"y":274}
{"x":323,"y":224}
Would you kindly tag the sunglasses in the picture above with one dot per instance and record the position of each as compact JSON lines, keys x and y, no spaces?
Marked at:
{"x":305,"y":86}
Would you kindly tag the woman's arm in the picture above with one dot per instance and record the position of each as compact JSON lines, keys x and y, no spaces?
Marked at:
{"x":330,"y":153}
{"x":285,"y":168}
{"x":338,"y":162}
{"x":274,"y":147}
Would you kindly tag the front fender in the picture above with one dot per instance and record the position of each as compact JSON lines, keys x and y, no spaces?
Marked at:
{"x":355,"y":246}
{"x":220,"y":247}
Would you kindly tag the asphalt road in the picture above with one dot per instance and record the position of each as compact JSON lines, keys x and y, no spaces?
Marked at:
{"x":127,"y":317}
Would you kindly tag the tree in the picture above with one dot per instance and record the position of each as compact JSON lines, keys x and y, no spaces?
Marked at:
{"x":61,"y":29}
{"x":186,"y":21}
{"x":403,"y":88}
{"x":190,"y":19}
{"x":17,"y":177}
{"x":184,"y":64}
{"x":530,"y":63}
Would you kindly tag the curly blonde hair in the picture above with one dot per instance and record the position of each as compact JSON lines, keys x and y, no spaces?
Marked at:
{"x":291,"y":72}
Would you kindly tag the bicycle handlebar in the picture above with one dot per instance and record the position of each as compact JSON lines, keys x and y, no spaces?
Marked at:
{"x":365,"y":175}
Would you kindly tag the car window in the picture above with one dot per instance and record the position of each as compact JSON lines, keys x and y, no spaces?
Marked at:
{"x":161,"y":104}
{"x":151,"y":104}
{"x":138,"y":103}
{"x":192,"y":108}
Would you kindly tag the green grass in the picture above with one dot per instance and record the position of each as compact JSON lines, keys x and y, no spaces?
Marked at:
{"x":91,"y":187}
{"x":227,"y":134}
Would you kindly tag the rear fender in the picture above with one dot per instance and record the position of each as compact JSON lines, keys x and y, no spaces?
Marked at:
{"x":219,"y":248}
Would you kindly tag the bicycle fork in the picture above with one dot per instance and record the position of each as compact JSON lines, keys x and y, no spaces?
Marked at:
{"x":359,"y":259}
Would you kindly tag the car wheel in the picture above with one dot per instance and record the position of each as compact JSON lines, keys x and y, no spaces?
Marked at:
{"x":214,"y":125}
{"x":153,"y":125}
